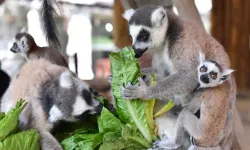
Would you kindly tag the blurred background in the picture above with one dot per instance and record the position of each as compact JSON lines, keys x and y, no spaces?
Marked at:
{"x":91,"y":29}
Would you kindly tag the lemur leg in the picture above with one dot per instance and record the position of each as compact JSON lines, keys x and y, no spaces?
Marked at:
{"x":189,"y":122}
{"x":48,"y":142}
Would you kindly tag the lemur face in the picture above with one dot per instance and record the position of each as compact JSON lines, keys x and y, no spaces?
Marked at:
{"x":147,"y":27}
{"x":210,"y":73}
{"x":21,"y":43}
{"x":71,"y":99}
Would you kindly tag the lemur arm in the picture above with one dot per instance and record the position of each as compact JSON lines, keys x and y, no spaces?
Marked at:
{"x":48,"y":142}
{"x":179,"y":83}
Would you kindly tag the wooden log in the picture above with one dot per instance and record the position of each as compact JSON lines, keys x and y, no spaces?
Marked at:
{"x":187,"y":9}
{"x":121,"y":37}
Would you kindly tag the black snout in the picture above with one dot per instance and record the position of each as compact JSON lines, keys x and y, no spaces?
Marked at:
{"x":139,"y":52}
{"x":13,"y":48}
{"x":98,"y":109}
{"x":204,"y":78}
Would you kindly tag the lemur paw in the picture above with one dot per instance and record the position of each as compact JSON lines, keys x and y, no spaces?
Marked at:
{"x":135,"y":91}
{"x":165,"y":144}
{"x":146,"y":79}
{"x":94,"y":93}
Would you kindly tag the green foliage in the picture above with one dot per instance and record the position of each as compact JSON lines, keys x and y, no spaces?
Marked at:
{"x":133,"y":127}
{"x":24,"y":140}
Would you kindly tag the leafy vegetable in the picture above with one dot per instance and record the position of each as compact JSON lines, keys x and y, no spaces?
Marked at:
{"x":107,"y":122}
{"x":82,"y":141}
{"x":25,"y":140}
{"x":125,"y":69}
{"x":133,"y":127}
{"x":165,"y":109}
{"x":10,"y":121}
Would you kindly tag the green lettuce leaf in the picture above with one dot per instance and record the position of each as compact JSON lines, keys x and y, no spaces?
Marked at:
{"x":10,"y":121}
{"x":2,"y":115}
{"x":125,"y":69}
{"x":107,"y":122}
{"x":165,"y":108}
{"x":25,"y":140}
{"x":81,"y":139}
{"x":131,"y":133}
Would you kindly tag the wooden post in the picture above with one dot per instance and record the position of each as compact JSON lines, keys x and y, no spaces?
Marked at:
{"x":187,"y":9}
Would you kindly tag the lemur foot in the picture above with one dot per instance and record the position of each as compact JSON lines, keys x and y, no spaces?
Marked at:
{"x":164,"y":144}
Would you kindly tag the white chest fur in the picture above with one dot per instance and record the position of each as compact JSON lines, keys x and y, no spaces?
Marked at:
{"x":162,"y":64}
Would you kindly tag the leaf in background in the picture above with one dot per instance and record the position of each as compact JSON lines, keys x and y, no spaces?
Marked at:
{"x":25,"y":140}
{"x":10,"y":121}
{"x":165,"y":109}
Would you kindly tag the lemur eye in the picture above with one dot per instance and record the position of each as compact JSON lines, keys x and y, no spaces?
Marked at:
{"x":143,"y":36}
{"x":203,"y":69}
{"x":214,"y":76}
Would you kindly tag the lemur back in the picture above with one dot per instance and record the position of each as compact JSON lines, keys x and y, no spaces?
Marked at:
{"x":25,"y":45}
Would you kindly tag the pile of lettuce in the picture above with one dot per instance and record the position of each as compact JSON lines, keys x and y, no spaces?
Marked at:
{"x":11,"y":138}
{"x":132,"y":126}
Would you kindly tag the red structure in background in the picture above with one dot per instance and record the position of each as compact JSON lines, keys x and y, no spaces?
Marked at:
{"x":102,"y":68}
{"x":1,"y":1}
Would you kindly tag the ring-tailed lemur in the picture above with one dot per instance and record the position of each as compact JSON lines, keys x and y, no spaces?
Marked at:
{"x":25,"y":45}
{"x":211,"y":74}
{"x":53,"y":94}
{"x":175,"y":44}
{"x":207,"y":131}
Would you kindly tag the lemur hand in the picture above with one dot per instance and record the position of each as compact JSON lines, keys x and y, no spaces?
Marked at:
{"x":146,"y":78}
{"x":136,"y":91}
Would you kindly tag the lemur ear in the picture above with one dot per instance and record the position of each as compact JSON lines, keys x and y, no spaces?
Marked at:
{"x":23,"y":30}
{"x":226,"y":74}
{"x":128,"y":14}
{"x":66,"y":80}
{"x":201,"y":57}
{"x":158,"y":17}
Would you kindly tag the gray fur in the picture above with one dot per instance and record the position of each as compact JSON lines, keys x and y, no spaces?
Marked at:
{"x":141,"y":16}
{"x":53,"y":95}
{"x":175,"y":46}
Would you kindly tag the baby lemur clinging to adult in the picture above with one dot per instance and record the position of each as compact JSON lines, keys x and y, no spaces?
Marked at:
{"x":25,"y":45}
{"x":207,"y":131}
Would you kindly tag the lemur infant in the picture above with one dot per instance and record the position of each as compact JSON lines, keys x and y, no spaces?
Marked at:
{"x":25,"y":45}
{"x":210,"y":74}
{"x":53,"y":94}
